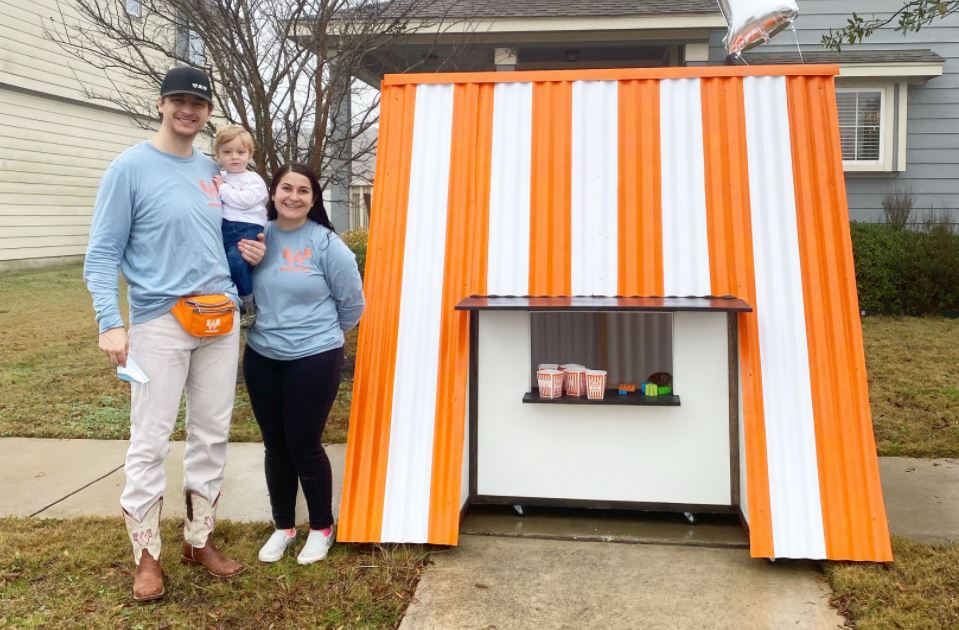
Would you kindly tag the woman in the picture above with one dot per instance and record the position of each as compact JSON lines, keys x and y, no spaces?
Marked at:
{"x":307,"y":292}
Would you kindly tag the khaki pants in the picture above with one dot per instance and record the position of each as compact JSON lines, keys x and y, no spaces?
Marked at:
{"x":174,"y":361}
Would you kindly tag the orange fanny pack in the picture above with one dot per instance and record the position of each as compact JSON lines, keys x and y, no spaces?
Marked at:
{"x":205,"y":315}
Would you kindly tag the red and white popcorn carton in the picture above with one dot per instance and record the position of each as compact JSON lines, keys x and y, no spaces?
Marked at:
{"x":575,"y":380}
{"x":595,"y":384}
{"x":550,"y":383}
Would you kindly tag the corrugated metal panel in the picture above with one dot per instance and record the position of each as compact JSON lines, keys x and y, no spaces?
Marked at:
{"x":764,"y":239}
{"x":731,"y":259}
{"x":790,"y":434}
{"x":409,"y":466}
{"x":852,"y":504}
{"x":464,"y":274}
{"x":509,"y":214}
{"x":594,"y":210}
{"x":367,"y":445}
{"x":640,"y":190}
{"x":685,"y":248}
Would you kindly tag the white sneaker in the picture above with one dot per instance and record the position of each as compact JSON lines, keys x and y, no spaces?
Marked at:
{"x":276,"y":546}
{"x":316,"y":547}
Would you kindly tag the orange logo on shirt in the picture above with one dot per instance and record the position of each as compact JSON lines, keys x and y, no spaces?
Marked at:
{"x":296,"y":259}
{"x":209,"y":189}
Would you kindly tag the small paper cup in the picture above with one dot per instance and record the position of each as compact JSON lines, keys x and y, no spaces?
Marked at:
{"x":550,"y":383}
{"x":575,"y":380}
{"x":595,"y":384}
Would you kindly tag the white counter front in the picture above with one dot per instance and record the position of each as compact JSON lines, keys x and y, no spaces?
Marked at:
{"x":605,"y":453}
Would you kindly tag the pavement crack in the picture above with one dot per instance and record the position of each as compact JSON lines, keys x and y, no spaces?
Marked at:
{"x":80,"y":489}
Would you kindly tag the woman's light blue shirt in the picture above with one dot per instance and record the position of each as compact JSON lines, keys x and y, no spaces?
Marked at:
{"x":307,"y":290}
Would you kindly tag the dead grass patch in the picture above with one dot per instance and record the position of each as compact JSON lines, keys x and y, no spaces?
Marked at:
{"x":919,"y":590}
{"x":913,"y":366}
{"x":55,"y":573}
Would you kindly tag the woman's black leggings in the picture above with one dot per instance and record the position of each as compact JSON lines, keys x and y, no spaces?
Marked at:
{"x":291,"y":401}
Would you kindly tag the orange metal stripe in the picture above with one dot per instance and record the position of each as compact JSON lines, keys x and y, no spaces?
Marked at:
{"x":367,"y":446}
{"x":550,"y":243}
{"x":640,"y":190}
{"x":467,"y":234}
{"x":729,"y":231}
{"x":619,"y":74}
{"x":854,"y":517}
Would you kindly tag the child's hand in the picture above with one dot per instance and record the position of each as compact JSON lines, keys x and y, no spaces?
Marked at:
{"x":217,"y":181}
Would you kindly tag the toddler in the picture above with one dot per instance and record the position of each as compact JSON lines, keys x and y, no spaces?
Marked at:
{"x":244,"y":196}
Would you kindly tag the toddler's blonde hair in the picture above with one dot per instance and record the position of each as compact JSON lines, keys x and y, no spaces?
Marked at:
{"x":230,"y":133}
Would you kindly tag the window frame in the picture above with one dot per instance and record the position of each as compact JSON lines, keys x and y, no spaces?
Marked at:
{"x":184,"y":44}
{"x":887,"y":122}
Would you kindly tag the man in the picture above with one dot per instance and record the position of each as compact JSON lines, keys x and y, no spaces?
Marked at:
{"x":157,"y":217}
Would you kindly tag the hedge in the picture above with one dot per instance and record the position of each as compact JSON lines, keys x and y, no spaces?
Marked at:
{"x":356,"y":241}
{"x":898,"y":272}
{"x":906,"y":272}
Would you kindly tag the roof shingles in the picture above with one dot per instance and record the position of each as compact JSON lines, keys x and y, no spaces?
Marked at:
{"x":562,"y":8}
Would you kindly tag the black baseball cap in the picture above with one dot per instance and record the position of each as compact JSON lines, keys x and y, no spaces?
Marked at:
{"x":186,"y":80}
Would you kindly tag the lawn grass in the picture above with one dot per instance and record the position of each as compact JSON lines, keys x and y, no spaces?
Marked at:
{"x":78,"y":572}
{"x":55,"y":382}
{"x":919,"y":590}
{"x":913,"y":366}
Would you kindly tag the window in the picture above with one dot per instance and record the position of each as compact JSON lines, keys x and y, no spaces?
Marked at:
{"x":189,"y":45}
{"x":860,"y":125}
{"x":135,"y":8}
{"x":629,"y":346}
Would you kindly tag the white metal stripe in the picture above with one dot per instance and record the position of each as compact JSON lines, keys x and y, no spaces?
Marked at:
{"x":594,"y":188}
{"x":409,"y":468}
{"x":795,"y":505}
{"x":508,"y":253}
{"x":685,"y":245}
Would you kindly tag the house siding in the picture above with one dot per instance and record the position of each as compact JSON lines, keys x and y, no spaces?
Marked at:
{"x":55,"y":142}
{"x":52,"y":155}
{"x":932,"y":145}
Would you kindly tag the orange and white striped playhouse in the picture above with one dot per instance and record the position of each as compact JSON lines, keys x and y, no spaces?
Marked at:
{"x":707,"y":181}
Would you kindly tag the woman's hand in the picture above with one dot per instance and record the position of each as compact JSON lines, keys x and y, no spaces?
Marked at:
{"x":252,"y":251}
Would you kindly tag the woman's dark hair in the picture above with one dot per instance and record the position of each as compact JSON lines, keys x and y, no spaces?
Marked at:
{"x":318,"y":212}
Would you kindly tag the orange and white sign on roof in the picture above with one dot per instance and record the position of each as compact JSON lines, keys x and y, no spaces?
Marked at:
{"x":655,"y":182}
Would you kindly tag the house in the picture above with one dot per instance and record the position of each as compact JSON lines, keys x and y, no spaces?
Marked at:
{"x":55,"y":141}
{"x":895,"y":94}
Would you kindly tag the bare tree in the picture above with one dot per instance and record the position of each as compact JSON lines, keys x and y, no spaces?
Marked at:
{"x":909,"y":18}
{"x":281,"y":68}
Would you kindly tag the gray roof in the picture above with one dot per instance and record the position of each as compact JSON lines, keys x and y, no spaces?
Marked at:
{"x":923,"y":55}
{"x":560,"y":8}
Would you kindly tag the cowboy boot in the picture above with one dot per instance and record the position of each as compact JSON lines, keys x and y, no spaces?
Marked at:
{"x":145,"y":538}
{"x":198,"y":547}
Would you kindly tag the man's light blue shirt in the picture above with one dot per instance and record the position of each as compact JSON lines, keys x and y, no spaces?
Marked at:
{"x":157,"y":217}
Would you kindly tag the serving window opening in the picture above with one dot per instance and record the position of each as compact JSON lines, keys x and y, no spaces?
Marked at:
{"x":632,"y":348}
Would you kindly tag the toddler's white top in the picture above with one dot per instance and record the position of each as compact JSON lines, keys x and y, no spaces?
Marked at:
{"x":244,"y":197}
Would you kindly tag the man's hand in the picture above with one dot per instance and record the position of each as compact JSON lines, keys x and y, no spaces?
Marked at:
{"x":115,"y":345}
{"x":252,"y":251}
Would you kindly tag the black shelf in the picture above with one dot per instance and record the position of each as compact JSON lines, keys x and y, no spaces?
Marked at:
{"x":612,"y":397}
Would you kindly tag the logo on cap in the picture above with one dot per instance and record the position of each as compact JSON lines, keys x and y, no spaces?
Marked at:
{"x":200,"y":86}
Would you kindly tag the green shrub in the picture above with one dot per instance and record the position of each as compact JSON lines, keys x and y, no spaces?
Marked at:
{"x":356,"y":241}
{"x":906,"y":272}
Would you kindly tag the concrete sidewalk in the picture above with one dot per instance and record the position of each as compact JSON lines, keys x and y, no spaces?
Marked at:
{"x":65,"y":478}
{"x":542,"y":570}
